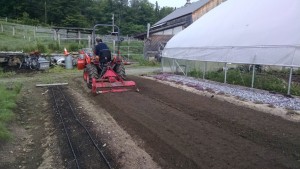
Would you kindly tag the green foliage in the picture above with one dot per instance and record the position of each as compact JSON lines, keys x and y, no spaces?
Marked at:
{"x":6,"y":115}
{"x":7,"y":104}
{"x":195,"y":73}
{"x":75,"y":21}
{"x":4,"y":133}
{"x":54,"y":46}
{"x":41,"y":48}
{"x":74,"y":47}
{"x":28,"y":21}
{"x":60,"y":69}
{"x":57,"y":69}
{"x":265,"y":81}
{"x":143,"y":62}
{"x":131,"y":17}
{"x":7,"y":74}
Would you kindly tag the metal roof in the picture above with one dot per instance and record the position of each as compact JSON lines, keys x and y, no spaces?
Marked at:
{"x":183,"y":11}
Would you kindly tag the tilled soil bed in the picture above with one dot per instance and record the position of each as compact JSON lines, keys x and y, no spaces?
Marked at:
{"x":185,"y":130}
{"x":159,"y":127}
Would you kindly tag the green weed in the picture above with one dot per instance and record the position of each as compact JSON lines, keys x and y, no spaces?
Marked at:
{"x":8,"y":98}
{"x":4,"y":133}
{"x":7,"y":74}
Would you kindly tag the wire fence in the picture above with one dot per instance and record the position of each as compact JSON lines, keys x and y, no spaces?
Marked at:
{"x":129,"y":48}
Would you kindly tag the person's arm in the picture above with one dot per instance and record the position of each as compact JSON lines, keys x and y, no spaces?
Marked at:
{"x":97,"y":50}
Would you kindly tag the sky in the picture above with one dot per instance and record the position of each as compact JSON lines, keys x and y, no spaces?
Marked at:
{"x":170,"y":3}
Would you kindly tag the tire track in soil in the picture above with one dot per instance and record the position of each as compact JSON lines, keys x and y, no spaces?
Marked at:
{"x":184,"y":130}
{"x":86,"y":153}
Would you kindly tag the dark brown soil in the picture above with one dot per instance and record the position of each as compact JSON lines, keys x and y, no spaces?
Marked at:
{"x":184,"y":130}
{"x":33,"y":143}
{"x":178,"y":129}
{"x":78,"y":149}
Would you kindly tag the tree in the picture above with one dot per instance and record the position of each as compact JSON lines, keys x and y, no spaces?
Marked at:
{"x":131,"y":16}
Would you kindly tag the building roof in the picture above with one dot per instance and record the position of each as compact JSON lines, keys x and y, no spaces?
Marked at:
{"x":182,"y":11}
{"x":232,"y":33}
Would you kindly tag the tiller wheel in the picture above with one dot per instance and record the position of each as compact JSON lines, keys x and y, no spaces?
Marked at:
{"x":111,"y":82}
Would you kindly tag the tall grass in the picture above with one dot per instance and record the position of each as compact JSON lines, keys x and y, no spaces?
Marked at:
{"x":7,"y":104}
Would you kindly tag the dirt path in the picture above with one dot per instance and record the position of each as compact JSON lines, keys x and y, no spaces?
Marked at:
{"x":185,"y":130}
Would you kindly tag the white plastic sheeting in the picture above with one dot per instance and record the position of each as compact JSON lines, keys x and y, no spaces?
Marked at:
{"x":263,"y":32}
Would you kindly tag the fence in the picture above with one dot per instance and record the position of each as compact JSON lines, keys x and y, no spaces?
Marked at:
{"x":129,"y":48}
{"x":25,"y":32}
{"x":254,"y":76}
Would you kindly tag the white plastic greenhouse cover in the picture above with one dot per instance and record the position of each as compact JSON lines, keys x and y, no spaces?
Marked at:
{"x":263,"y":32}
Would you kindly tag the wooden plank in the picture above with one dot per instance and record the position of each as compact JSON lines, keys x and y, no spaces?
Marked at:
{"x":52,"y":84}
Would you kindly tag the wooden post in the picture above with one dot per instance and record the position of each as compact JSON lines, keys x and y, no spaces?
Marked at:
{"x":290,"y":81}
{"x":34,"y":33}
{"x":114,"y":46}
{"x":253,"y":73}
{"x":162,"y":64}
{"x":128,"y":42}
{"x":89,"y":41}
{"x":225,"y":75}
{"x":54,"y":35}
{"x":128,"y":53}
{"x":186,"y":68}
{"x":173,"y":66}
{"x":58,"y":37}
{"x":79,"y":37}
{"x":14,"y":31}
{"x":148,"y":30}
{"x":204,"y":70}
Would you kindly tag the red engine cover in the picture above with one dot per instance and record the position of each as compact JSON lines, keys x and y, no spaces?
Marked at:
{"x":81,"y":64}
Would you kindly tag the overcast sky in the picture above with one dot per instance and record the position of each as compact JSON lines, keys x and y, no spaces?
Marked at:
{"x":170,"y":3}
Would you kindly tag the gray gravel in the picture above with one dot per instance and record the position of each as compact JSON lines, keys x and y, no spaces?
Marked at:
{"x":244,"y":93}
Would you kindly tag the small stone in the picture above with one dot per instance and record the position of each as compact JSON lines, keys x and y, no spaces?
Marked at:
{"x":31,"y":143}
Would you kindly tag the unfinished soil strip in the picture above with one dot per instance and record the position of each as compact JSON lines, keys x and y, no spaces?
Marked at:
{"x":83,"y":151}
{"x":185,"y":130}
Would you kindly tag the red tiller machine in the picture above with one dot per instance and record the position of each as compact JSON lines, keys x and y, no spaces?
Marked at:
{"x":104,"y":78}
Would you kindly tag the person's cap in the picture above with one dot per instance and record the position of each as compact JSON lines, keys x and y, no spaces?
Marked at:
{"x":98,"y":39}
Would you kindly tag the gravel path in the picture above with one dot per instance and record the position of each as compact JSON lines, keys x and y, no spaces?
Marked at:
{"x":244,"y":93}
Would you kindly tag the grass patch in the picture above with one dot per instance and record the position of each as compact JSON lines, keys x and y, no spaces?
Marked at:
{"x":7,"y":104}
{"x":142,"y":62}
{"x":7,"y":74}
{"x":61,"y":69}
{"x":4,"y":133}
{"x":152,"y":63}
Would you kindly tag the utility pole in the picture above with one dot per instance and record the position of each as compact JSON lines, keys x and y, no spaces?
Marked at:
{"x":45,"y":12}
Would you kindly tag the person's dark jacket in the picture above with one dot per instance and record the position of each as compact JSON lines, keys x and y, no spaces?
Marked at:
{"x":103,"y":52}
